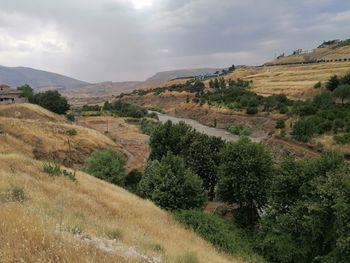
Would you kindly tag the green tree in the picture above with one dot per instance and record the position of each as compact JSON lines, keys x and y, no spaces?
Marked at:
{"x":52,"y":101}
{"x":332,"y":83}
{"x":198,"y":87}
{"x":308,"y":203}
{"x":232,"y":68}
{"x":171,"y":186}
{"x":170,"y":137}
{"x":342,"y":92}
{"x":323,"y":100}
{"x":26,"y":92}
{"x":203,"y":159}
{"x":304,"y":129}
{"x":107,"y":165}
{"x":244,"y":176}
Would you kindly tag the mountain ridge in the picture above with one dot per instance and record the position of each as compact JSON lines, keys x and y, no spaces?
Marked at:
{"x":17,"y":76}
{"x":180,"y":73}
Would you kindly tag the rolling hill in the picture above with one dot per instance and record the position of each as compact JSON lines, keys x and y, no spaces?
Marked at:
{"x":49,"y":218}
{"x":329,"y":51}
{"x":182,"y":73}
{"x":16,"y":76}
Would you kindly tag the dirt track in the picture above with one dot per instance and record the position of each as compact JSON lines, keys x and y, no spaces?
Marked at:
{"x":129,"y":138}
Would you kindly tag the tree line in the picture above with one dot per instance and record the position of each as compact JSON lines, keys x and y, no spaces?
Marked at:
{"x":295,"y":210}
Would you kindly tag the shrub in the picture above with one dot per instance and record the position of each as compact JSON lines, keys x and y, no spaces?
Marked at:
{"x":280,"y":124}
{"x":171,"y":186}
{"x":148,"y":126}
{"x":318,"y":85}
{"x":115,"y":233}
{"x":342,"y":92}
{"x":70,"y":117}
{"x":189,"y":257}
{"x":283,"y":110}
{"x":52,"y":101}
{"x":72,"y":132}
{"x":223,"y":234}
{"x":107,"y":165}
{"x":13,"y":194}
{"x":132,"y":179}
{"x":283,"y":133}
{"x":54,"y":169}
{"x":238,"y":129}
{"x":303,"y":130}
{"x":342,"y":139}
{"x":124,"y":109}
{"x":332,"y":83}
{"x":252,"y":110}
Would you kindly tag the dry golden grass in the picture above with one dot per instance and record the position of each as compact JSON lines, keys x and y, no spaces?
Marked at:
{"x":317,"y":54}
{"x":296,"y":81}
{"x":36,"y":229}
{"x":29,"y":111}
{"x":46,"y":139}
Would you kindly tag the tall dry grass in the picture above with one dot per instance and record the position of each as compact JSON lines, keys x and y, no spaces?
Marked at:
{"x":93,"y":207}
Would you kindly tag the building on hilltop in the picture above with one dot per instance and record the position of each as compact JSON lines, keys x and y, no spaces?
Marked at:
{"x":9,"y":95}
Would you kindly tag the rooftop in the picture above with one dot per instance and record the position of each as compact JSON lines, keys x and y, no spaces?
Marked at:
{"x":5,"y":89}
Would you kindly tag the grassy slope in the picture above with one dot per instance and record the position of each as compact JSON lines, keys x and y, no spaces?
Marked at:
{"x":36,"y":132}
{"x":40,"y":228}
{"x":296,"y":81}
{"x":317,"y":54}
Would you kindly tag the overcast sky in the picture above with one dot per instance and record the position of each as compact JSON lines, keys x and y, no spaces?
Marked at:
{"x":100,"y":40}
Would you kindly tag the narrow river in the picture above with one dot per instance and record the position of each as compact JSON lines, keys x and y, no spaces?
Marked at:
{"x":211,"y":131}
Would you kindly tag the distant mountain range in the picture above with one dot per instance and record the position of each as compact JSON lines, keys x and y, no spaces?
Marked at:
{"x":17,"y":76}
{"x":181,"y":73}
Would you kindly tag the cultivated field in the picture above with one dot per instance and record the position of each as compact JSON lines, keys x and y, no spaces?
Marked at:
{"x":296,"y":81}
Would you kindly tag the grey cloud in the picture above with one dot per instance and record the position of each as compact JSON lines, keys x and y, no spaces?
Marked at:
{"x":97,"y":40}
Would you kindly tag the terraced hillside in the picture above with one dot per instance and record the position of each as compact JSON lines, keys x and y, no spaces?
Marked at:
{"x":296,"y":81}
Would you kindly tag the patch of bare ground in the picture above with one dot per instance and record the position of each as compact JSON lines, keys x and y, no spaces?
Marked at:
{"x":132,"y":142}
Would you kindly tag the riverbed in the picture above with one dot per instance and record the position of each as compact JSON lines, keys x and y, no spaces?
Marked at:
{"x":211,"y":131}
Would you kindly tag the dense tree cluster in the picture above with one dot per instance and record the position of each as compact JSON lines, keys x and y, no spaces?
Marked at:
{"x":51,"y":100}
{"x":193,"y":86}
{"x":124,"y":109}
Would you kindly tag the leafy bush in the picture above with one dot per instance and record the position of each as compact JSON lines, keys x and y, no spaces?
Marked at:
{"x":223,"y":234}
{"x":54,"y":169}
{"x":72,"y":132}
{"x":238,"y":129}
{"x":171,"y":186}
{"x":308,"y":204}
{"x":342,"y":139}
{"x":252,"y":110}
{"x":70,"y":117}
{"x":87,"y":107}
{"x":303,"y":130}
{"x":132,"y":179}
{"x":148,"y":126}
{"x":318,"y":85}
{"x":280,"y":124}
{"x":124,"y":109}
{"x":107,"y":165}
{"x":52,"y":101}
